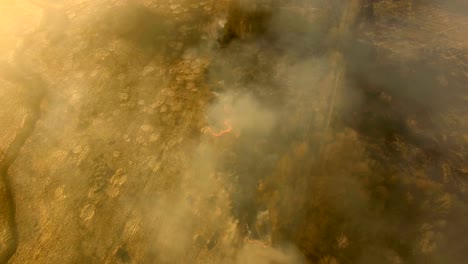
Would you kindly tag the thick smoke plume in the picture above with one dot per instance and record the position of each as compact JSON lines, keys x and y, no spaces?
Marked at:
{"x":234,"y":131}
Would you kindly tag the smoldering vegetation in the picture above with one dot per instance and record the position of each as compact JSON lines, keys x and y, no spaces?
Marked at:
{"x":248,"y":131}
{"x":344,"y":173}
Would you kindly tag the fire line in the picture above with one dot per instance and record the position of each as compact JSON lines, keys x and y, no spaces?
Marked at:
{"x":222,"y":132}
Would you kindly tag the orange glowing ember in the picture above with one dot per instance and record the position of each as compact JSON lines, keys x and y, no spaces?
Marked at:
{"x":222,"y":132}
{"x":257,"y":242}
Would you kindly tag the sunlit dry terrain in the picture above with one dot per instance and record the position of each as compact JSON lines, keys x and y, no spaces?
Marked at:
{"x":234,"y":131}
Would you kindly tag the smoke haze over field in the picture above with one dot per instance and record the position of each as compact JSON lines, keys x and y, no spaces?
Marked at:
{"x":234,"y":131}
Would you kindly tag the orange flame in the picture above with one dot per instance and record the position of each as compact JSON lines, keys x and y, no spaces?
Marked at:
{"x":222,"y":132}
{"x":257,"y":242}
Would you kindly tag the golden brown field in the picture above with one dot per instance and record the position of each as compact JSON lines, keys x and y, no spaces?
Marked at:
{"x":233,"y":131}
